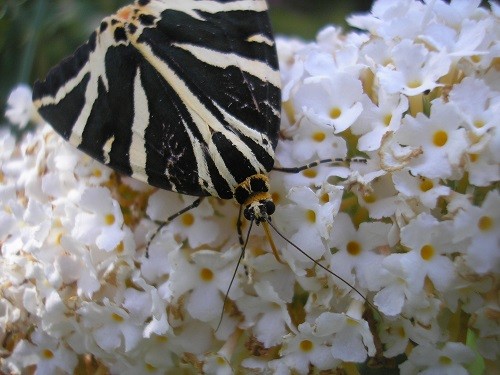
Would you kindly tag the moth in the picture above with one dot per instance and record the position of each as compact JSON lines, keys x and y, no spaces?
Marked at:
{"x":182,"y":95}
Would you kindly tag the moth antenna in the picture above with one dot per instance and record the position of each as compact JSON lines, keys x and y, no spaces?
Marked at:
{"x":323,"y":267}
{"x":234,"y":275}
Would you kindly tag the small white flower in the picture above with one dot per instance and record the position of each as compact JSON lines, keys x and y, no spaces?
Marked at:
{"x":426,"y":190}
{"x":47,"y":353}
{"x":352,"y":340}
{"x":380,"y":198}
{"x":318,"y":100}
{"x":441,"y":137}
{"x":429,"y":241}
{"x":376,"y":120}
{"x":449,"y":360}
{"x":481,"y":225}
{"x":101,"y":220}
{"x":111,"y":326}
{"x":306,"y":347}
{"x":20,"y":109}
{"x":356,"y":250}
{"x":310,"y":219}
{"x":267,"y":313}
{"x":477,"y":104}
{"x":197,"y":226}
{"x":217,"y":365}
{"x":316,"y":141}
{"x":415,"y":69}
{"x":206,"y":276}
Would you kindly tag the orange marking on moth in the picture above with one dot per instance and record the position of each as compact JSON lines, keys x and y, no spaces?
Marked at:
{"x":124,"y":13}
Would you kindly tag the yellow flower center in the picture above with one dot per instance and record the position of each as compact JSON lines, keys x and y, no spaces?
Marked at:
{"x":117,"y":318}
{"x":220,"y":361}
{"x":401,"y":332}
{"x":276,"y":197}
{"x":475,"y":58}
{"x":97,"y":173}
{"x":485,"y":223}
{"x":206,"y":274}
{"x":479,"y":124}
{"x":335,"y":113}
{"x":58,"y":238}
{"x":311,"y":216}
{"x":427,"y":252}
{"x":352,"y":322}
{"x":120,"y":247}
{"x":319,"y":136}
{"x":187,"y":219}
{"x":440,"y":138}
{"x":162,"y":339}
{"x":444,"y":360}
{"x":47,"y":354}
{"x":414,"y":84}
{"x":109,"y":219}
{"x":354,"y":248}
{"x":369,"y":198}
{"x":387,"y":119}
{"x":150,"y":368}
{"x":426,"y":184}
{"x":310,"y":173}
{"x":325,"y":198}
{"x":306,"y":345}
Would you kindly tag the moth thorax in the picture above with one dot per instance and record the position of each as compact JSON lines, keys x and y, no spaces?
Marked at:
{"x":253,"y":194}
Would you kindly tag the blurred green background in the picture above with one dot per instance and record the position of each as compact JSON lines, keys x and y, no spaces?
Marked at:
{"x":37,"y":34}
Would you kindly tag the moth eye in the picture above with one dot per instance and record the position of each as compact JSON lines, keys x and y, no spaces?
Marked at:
{"x":270,"y":207}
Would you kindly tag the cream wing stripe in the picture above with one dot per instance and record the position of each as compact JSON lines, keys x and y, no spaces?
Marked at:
{"x":137,"y":155}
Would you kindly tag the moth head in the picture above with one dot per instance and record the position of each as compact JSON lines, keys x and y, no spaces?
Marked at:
{"x":259,"y":210}
{"x":253,"y":194}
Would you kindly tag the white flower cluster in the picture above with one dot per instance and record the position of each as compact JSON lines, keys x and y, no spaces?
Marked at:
{"x":416,"y":229}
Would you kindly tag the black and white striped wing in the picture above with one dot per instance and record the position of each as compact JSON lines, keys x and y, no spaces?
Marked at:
{"x":181,"y":94}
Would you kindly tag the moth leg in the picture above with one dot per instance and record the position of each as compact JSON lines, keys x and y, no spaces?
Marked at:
{"x":161,"y":224}
{"x":316,"y":163}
